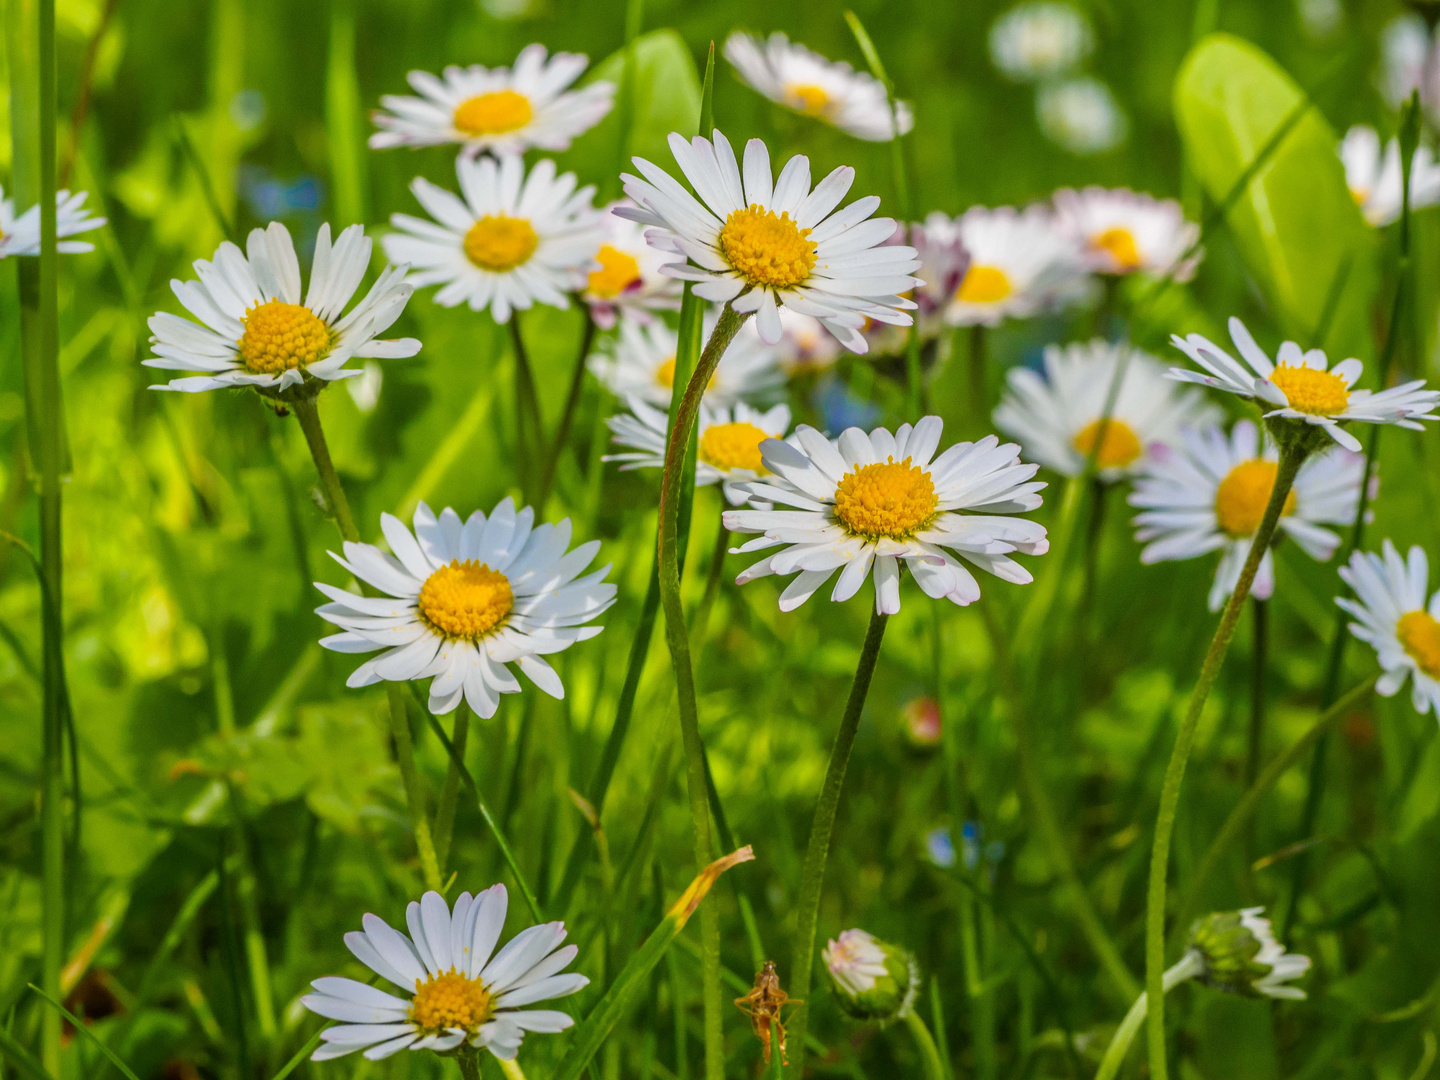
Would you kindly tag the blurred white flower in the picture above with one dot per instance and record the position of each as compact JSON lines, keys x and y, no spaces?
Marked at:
{"x":1374,"y":177}
{"x":1021,"y":262}
{"x":20,"y":235}
{"x":1407,"y":61}
{"x":640,"y":361}
{"x":804,"y":347}
{"x":1322,"y":19}
{"x":1081,"y":115}
{"x":629,"y":280}
{"x":1124,"y":232}
{"x":1042,"y":40}
{"x":1396,"y":618}
{"x":365,"y":391}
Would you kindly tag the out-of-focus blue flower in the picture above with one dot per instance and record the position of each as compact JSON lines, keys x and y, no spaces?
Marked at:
{"x":269,"y":198}
{"x":248,"y":110}
{"x":840,"y":408}
{"x":940,"y":847}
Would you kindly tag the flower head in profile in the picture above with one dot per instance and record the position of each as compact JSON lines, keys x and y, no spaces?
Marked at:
{"x":1125,"y":232}
{"x":1302,"y":386}
{"x":507,"y":242}
{"x":1041,"y":40}
{"x":1081,"y":115}
{"x":629,"y":281}
{"x":1210,"y":493}
{"x":258,"y":329}
{"x":761,"y":244}
{"x":1021,"y":264}
{"x":1394,"y":616}
{"x":641,"y":362}
{"x":871,"y":979}
{"x":456,"y":988}
{"x":496,"y":110}
{"x":944,"y":260}
{"x":1236,"y":951}
{"x":20,"y":234}
{"x":1374,"y":177}
{"x":864,"y":503}
{"x":464,"y":600}
{"x":1060,"y":419}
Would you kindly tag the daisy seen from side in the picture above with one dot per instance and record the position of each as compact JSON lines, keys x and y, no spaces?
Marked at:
{"x":1124,"y":232}
{"x":20,"y":233}
{"x":1021,"y":264}
{"x":1395,"y":617}
{"x":1373,"y":175}
{"x":629,"y":281}
{"x":640,"y":362}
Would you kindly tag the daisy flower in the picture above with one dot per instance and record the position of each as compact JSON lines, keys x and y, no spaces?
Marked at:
{"x":1210,"y":494}
{"x":728,"y":451}
{"x":512,"y":240}
{"x":1302,"y":386}
{"x":629,"y":279}
{"x":1021,"y":263}
{"x":804,"y":347}
{"x":640,"y":362}
{"x":456,"y":988}
{"x":1081,"y":116}
{"x":1122,"y":231}
{"x":944,"y":260}
{"x":1374,"y":177}
{"x":1037,"y":41}
{"x":496,"y":110}
{"x":1393,"y":617}
{"x":765,"y":244}
{"x":865,"y":502}
{"x":1058,"y":418}
{"x":1237,"y":952}
{"x":256,"y":327}
{"x":809,"y":84}
{"x":463,"y":600}
{"x":20,"y":235}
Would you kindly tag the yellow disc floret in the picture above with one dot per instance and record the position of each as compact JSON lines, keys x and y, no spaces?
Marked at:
{"x":450,"y":1000}
{"x":494,"y":113}
{"x":665,"y":375}
{"x":768,"y":249}
{"x":1242,"y":496}
{"x":1419,"y":635}
{"x":499,"y":243}
{"x":618,"y":271}
{"x":888,"y":499}
{"x":807,"y":98}
{"x":465,"y":600}
{"x":281,"y":336}
{"x":733,"y":446}
{"x":1316,"y":393}
{"x":1119,"y":243}
{"x":1119,"y":446}
{"x":984,"y":285}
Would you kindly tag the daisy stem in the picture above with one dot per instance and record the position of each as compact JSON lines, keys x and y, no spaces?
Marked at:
{"x":929,"y":1054}
{"x":701,"y":616}
{"x":510,"y":1068}
{"x":1187,"y":968}
{"x":1292,"y":454}
{"x":450,"y":793}
{"x":812,"y":877}
{"x":469,"y":1061}
{"x":567,"y":415}
{"x":979,"y":382}
{"x":1255,"y":736}
{"x":529,"y":430}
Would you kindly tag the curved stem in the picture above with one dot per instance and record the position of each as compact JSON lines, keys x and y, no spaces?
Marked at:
{"x":812,"y":878}
{"x":1189,"y":966}
{"x":567,"y":415}
{"x":925,"y":1043}
{"x":450,"y":793}
{"x":1292,"y":454}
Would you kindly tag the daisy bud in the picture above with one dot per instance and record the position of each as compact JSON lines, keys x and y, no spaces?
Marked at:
{"x":921,"y":718}
{"x":1238,"y":954}
{"x":872,"y":979}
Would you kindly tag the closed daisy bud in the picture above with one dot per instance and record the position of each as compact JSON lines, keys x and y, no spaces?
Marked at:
{"x":872,"y":979}
{"x":1237,"y":953}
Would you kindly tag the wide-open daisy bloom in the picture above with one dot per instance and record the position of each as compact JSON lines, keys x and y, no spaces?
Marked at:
{"x":1395,"y":616}
{"x":728,"y":451}
{"x":1041,"y":40}
{"x":1021,"y":263}
{"x":1123,"y":232}
{"x":641,"y":362}
{"x":496,"y":110}
{"x":760,"y":244}
{"x":1303,"y":386}
{"x":629,"y":280}
{"x":862,"y":503}
{"x":1059,"y":418}
{"x":258,"y":329}
{"x":464,"y":600}
{"x":1374,"y":179}
{"x":1210,"y":494}
{"x":20,"y":235}
{"x":793,"y":76}
{"x":456,"y":988}
{"x":506,"y":242}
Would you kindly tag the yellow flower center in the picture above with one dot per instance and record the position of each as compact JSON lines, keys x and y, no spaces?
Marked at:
{"x":499,"y":243}
{"x":618,"y":271}
{"x":449,"y":1000}
{"x":281,"y":336}
{"x":767,"y":248}
{"x":466,"y":599}
{"x":984,"y":285}
{"x":1318,"y":393}
{"x":1119,"y":446}
{"x":733,"y":446}
{"x":494,"y":113}
{"x":888,"y":499}
{"x":1419,"y":635}
{"x":1360,"y":196}
{"x":1119,"y":242}
{"x":1242,"y":496}
{"x":665,"y":375}
{"x":807,"y":98}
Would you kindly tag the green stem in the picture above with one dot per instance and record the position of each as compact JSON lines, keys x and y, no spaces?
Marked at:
{"x":343,"y":118}
{"x":1292,"y":455}
{"x":979,"y":378}
{"x":982,"y":1013}
{"x":469,"y":1061}
{"x":1189,"y":966}
{"x":934,"y":1068}
{"x":450,"y":793}
{"x":812,"y":877}
{"x":701,"y":616}
{"x":511,"y":1069}
{"x":529,"y":429}
{"x":567,"y":415}
{"x":1255,"y":735}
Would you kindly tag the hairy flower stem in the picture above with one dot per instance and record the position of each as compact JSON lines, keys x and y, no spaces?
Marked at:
{"x":1293,"y":452}
{"x":1188,"y":967}
{"x":676,"y":636}
{"x":925,"y":1043}
{"x":307,"y":413}
{"x":567,"y":414}
{"x":812,"y":877}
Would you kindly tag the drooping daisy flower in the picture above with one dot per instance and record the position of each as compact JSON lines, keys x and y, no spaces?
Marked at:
{"x":464,"y":600}
{"x":1122,"y":231}
{"x":765,"y":243}
{"x":629,"y":279}
{"x":512,"y":240}
{"x":456,"y":988}
{"x":1236,"y":951}
{"x":806,"y":82}
{"x":865,"y":502}
{"x":1302,"y":386}
{"x":1394,"y":617}
{"x":1210,"y":494}
{"x":1058,"y":418}
{"x":496,"y":110}
{"x":20,"y":235}
{"x":1021,"y":263}
{"x":1374,"y":178}
{"x":259,"y":329}
{"x":728,"y":452}
{"x":1081,"y":115}
{"x":641,"y":362}
{"x":872,"y":979}
{"x":1037,"y":41}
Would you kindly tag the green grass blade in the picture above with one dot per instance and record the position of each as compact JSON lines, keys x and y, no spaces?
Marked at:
{"x":84,"y":1029}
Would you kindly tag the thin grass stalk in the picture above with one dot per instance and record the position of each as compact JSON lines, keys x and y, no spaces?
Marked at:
{"x":982,"y":1011}
{"x":937,"y":1021}
{"x":529,"y":429}
{"x":1293,"y":452}
{"x":929,"y":1054}
{"x":1186,"y":968}
{"x":450,"y":793}
{"x":87,"y":92}
{"x":567,"y":414}
{"x":343,"y":116}
{"x":1255,"y":733}
{"x":625,"y":95}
